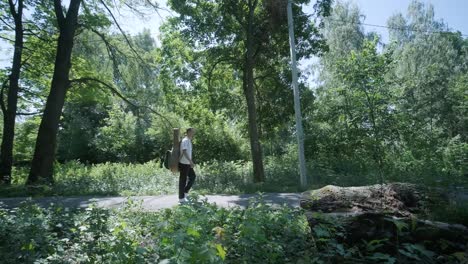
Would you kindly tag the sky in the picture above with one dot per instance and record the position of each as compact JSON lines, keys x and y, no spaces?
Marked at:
{"x":376,"y":12}
{"x":453,"y":12}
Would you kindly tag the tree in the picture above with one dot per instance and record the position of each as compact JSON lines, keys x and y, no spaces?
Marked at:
{"x":363,"y":78}
{"x":44,"y":153}
{"x":226,"y":28}
{"x":343,"y":33}
{"x":92,"y":19}
{"x":9,"y":110}
{"x":430,"y":63}
{"x":332,"y":130}
{"x":398,"y":106}
{"x":81,"y":121}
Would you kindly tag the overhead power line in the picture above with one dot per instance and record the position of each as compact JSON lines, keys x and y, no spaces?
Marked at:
{"x":407,"y":28}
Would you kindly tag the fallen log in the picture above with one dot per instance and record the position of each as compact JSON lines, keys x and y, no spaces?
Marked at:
{"x":382,"y":213}
{"x":397,"y":198}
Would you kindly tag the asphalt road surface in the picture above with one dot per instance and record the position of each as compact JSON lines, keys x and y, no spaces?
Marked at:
{"x":154,"y":203}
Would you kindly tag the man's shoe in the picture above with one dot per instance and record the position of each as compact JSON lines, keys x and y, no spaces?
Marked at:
{"x":182,"y":201}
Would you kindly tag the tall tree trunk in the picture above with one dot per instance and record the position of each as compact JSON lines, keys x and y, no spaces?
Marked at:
{"x":9,"y":111}
{"x":44,"y":153}
{"x":248,"y":85}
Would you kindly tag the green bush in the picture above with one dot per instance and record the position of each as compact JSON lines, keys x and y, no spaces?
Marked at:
{"x":226,"y":177}
{"x":197,"y":233}
{"x":114,"y":178}
{"x":75,"y":178}
{"x":455,"y":156}
{"x":216,"y":138}
{"x":223,"y":177}
{"x":25,"y":139}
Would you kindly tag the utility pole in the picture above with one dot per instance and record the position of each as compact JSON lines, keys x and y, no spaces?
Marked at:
{"x":297,"y":103}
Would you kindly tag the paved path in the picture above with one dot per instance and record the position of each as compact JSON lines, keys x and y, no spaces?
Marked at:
{"x":153,"y":203}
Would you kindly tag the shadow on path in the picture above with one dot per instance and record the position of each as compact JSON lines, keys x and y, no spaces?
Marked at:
{"x":154,"y":203}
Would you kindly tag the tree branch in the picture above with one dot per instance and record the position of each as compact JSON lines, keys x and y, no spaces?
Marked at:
{"x":6,"y":24}
{"x":265,"y":76}
{"x":235,"y":12}
{"x":153,"y":5}
{"x":109,"y":46}
{"x":12,"y":9}
{"x":33,"y":70}
{"x":30,"y":101}
{"x":254,"y":4}
{"x":157,"y":8}
{"x":110,"y":87}
{"x":59,"y":13}
{"x":134,"y":9}
{"x":29,"y":114}
{"x":110,"y":50}
{"x":32,"y":24}
{"x":118,"y":94}
{"x":121,"y":31}
{"x":7,"y":39}
{"x":34,"y":34}
{"x":213,"y":67}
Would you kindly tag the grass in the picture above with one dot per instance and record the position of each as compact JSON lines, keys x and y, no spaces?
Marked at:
{"x":281,"y":175}
{"x":74,"y":179}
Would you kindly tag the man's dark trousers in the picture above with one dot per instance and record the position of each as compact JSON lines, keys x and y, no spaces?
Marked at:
{"x":185,"y":172}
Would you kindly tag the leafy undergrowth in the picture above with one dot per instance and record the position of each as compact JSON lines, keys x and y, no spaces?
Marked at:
{"x":455,"y":212}
{"x":74,"y":178}
{"x":194,"y":233}
{"x":122,"y":179}
{"x":339,"y":245}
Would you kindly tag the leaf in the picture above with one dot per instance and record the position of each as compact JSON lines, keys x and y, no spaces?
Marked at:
{"x":384,"y":257}
{"x":400,"y":225}
{"x":421,"y":249}
{"x":461,"y":256}
{"x":340,"y":249}
{"x":141,"y":250}
{"x":165,"y":241}
{"x":193,"y":232}
{"x":409,"y":254}
{"x":375,"y":244}
{"x":321,"y":232}
{"x":221,"y":251}
{"x":29,"y":247}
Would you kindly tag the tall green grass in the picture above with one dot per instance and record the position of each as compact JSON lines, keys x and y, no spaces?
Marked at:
{"x":215,"y":177}
{"x":74,"y":178}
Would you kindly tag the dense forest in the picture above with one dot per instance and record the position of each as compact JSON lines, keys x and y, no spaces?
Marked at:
{"x":393,"y":110}
{"x":89,"y":108}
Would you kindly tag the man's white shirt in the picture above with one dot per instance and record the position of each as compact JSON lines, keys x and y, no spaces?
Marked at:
{"x":186,"y":145}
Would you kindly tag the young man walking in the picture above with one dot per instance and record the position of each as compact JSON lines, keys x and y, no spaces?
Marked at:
{"x":186,"y":166}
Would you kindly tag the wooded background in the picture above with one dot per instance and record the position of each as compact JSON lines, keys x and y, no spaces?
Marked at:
{"x":80,"y":88}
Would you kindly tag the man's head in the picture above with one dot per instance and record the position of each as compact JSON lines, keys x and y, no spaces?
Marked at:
{"x":190,"y":132}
